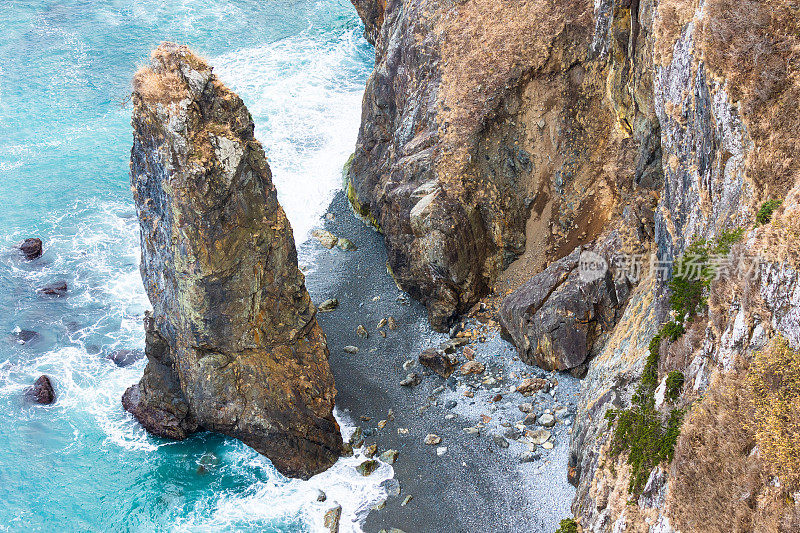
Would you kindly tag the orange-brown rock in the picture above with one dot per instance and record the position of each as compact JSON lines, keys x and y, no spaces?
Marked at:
{"x":233,"y":344}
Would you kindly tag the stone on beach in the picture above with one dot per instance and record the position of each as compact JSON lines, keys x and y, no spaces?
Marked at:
{"x":432,"y":439}
{"x":411,"y":380}
{"x":367,"y":467}
{"x":328,"y":305}
{"x":325,"y":238}
{"x":531,"y":386}
{"x":389,"y":456}
{"x":437,"y":361}
{"x":472,"y":367}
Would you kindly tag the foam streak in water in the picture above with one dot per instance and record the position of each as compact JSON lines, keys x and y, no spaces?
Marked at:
{"x":305,"y":96}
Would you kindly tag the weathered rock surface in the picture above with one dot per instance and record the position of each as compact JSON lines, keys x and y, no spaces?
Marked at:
{"x":556,"y":318}
{"x":31,"y":248}
{"x":438,"y":361}
{"x":509,"y":135}
{"x":233,"y":344}
{"x":41,"y":392}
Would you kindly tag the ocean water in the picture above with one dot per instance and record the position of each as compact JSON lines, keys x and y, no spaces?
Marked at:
{"x":83,"y":464}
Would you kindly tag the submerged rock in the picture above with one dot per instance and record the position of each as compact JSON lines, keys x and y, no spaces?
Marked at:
{"x":233,"y":344}
{"x":125,"y":357}
{"x":42,"y":392}
{"x":57,"y":289}
{"x":24,"y":336}
{"x":32,"y":248}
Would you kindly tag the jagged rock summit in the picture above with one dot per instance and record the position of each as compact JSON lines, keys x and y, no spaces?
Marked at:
{"x":233,"y":344}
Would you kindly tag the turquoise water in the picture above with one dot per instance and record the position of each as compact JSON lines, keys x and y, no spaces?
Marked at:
{"x":65,"y":70}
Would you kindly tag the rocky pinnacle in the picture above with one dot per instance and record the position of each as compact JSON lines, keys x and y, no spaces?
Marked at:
{"x":233,"y":344}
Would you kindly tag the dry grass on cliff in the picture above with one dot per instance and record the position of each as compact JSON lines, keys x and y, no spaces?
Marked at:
{"x":774,"y":381}
{"x":715,"y":478}
{"x":672,"y":17}
{"x":756,"y":45}
{"x":737,"y":461}
{"x":161,"y":81}
{"x":780,"y":239}
{"x":153,"y":87}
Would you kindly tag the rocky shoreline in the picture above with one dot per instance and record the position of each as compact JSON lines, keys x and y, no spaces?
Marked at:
{"x":483,"y":473}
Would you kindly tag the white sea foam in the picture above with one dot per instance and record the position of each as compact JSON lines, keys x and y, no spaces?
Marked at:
{"x":305,"y":94}
{"x":278,"y":499}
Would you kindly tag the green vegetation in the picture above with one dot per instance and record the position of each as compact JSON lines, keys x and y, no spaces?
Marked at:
{"x":568,"y":525}
{"x":641,"y":430}
{"x":695,"y":270}
{"x":675,"y":380}
{"x":764,"y":215}
{"x":361,"y":210}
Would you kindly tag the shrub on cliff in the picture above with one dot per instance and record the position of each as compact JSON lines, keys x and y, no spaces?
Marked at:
{"x":568,"y":525}
{"x":764,"y":215}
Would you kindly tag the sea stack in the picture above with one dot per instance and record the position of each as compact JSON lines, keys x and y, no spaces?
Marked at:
{"x":233,"y":344}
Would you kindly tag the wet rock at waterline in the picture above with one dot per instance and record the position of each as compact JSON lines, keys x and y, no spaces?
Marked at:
{"x":42,"y":392}
{"x":233,"y":345}
{"x":31,"y":248}
{"x":125,"y":357}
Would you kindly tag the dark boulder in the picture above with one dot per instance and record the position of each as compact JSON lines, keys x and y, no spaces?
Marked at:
{"x":32,"y":248}
{"x":438,"y":361}
{"x":555,"y":318}
{"x":41,"y":392}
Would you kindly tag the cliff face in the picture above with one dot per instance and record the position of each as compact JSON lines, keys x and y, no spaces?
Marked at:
{"x":233,"y":344}
{"x":513,"y":136}
{"x":487,"y":138}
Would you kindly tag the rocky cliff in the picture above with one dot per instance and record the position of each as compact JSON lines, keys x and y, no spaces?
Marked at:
{"x":487,"y":139}
{"x":502,"y":140}
{"x":233,"y":343}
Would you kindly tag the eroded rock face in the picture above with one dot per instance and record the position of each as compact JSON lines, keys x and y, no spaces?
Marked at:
{"x":233,"y":344}
{"x":371,"y":12}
